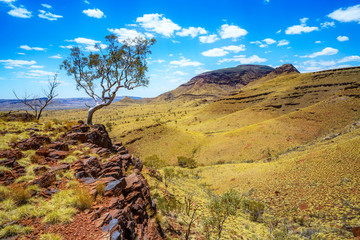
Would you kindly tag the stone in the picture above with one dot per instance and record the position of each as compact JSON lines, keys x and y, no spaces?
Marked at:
{"x":45,"y":180}
{"x":59,"y":146}
{"x":60,"y":168}
{"x":114,"y":187}
{"x":110,"y":226}
{"x":116,"y":235}
{"x":11,"y":154}
{"x":35,"y":142}
{"x":42,"y":152}
{"x":356,"y":231}
{"x":56,"y":154}
{"x":99,"y":136}
{"x":40,"y":170}
{"x":77,"y":136}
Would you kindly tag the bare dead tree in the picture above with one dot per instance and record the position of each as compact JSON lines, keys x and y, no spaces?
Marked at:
{"x":38,"y":104}
{"x":102,"y":74}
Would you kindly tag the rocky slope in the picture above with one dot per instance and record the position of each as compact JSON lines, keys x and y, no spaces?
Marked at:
{"x":126,"y":210}
{"x":217,"y":83}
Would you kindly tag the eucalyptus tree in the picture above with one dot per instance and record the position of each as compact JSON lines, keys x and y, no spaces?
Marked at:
{"x":103,"y":73}
{"x":38,"y":104}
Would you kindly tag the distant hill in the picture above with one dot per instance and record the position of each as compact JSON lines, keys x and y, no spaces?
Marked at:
{"x":58,"y":103}
{"x":217,"y":83}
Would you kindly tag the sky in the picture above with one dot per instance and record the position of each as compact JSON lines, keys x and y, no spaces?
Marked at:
{"x":192,"y":37}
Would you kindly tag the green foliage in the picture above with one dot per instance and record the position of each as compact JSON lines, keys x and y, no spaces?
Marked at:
{"x":254,"y":208}
{"x":154,"y":162}
{"x":84,"y":198}
{"x":221,"y":208}
{"x":186,"y":162}
{"x":13,"y":230}
{"x":50,"y":236}
{"x":20,"y":195}
{"x":4,"y":192}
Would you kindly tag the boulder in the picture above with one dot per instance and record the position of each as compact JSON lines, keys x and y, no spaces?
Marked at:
{"x":99,"y":136}
{"x":11,"y":154}
{"x":35,"y":142}
{"x":45,"y":181}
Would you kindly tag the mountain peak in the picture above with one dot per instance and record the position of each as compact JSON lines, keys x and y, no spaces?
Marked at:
{"x":285,"y":68}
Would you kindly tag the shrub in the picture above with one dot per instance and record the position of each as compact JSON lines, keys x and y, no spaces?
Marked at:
{"x":20,"y":195}
{"x":69,"y":159}
{"x":60,"y":215}
{"x":50,"y":236}
{"x":12,"y":230}
{"x":100,"y":189}
{"x":4,"y":192}
{"x":48,"y":126}
{"x":186,"y":162}
{"x":154,"y":162}
{"x":254,"y":208}
{"x":84,"y":199}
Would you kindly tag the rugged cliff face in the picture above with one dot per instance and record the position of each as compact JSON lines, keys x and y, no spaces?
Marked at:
{"x":126,"y":210}
{"x":213,"y":84}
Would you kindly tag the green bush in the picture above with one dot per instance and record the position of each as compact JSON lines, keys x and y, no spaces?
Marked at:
{"x":20,"y":195}
{"x":254,"y":208}
{"x":154,"y":162}
{"x":186,"y":162}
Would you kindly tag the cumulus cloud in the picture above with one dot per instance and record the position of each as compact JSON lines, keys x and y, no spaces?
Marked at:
{"x":26,"y":47}
{"x":46,"y":5}
{"x":312,"y":65}
{"x":35,"y":74}
{"x":10,"y":63}
{"x":342,"y":38}
{"x":327,"y":24}
{"x":302,"y":28}
{"x":57,"y":56}
{"x":20,"y":12}
{"x":350,"y":14}
{"x":183,"y":62}
{"x":191,"y":31}
{"x":219,"y":52}
{"x":350,"y":59}
{"x":88,"y":44}
{"x":325,"y":52}
{"x":283,"y":42}
{"x":317,"y":42}
{"x":124,"y":34}
{"x":269,"y":41}
{"x":209,"y":39}
{"x":231,"y":31}
{"x":243,"y":59}
{"x":181,"y":73}
{"x":95,"y":13}
{"x":158,"y":23}
{"x":261,"y":44}
{"x":48,"y":15}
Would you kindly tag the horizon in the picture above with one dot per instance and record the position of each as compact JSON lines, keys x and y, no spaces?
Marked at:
{"x":311,"y":36}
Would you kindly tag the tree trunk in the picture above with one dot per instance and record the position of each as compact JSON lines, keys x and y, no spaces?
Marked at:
{"x":91,"y":113}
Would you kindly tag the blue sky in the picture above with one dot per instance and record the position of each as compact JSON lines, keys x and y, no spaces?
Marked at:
{"x":192,"y":37}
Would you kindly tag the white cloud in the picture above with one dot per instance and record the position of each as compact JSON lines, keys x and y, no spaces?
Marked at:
{"x":181,"y":73}
{"x":191,"y":31}
{"x":48,"y":15}
{"x":243,"y":59}
{"x":215,"y":52}
{"x":86,"y":1}
{"x":327,"y":24}
{"x":125,"y":34}
{"x":157,"y":61}
{"x":350,"y":14}
{"x":82,"y":40}
{"x":88,"y":44}
{"x":46,"y":5}
{"x":311,"y":65}
{"x":26,"y":47}
{"x":269,"y":41}
{"x":20,"y":12}
{"x":158,"y":23}
{"x":68,"y":47}
{"x":283,"y":42}
{"x":95,"y":13}
{"x":36,"y":66}
{"x":35,"y":74}
{"x":7,"y":1}
{"x":317,"y":42}
{"x":209,"y":39}
{"x":183,"y":62}
{"x":302,"y":28}
{"x":350,"y":59}
{"x":219,"y":52}
{"x":231,"y":31}
{"x":325,"y":52}
{"x":342,"y":38}
{"x":17,"y":63}
{"x":279,"y":31}
{"x":20,"y":53}
{"x":57,"y":56}
{"x":262,"y":45}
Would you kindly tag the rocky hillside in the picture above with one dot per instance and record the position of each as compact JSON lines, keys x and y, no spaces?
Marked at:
{"x":107,"y":177}
{"x":217,"y":83}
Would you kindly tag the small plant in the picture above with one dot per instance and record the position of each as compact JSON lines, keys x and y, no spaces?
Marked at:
{"x":48,"y":126}
{"x":186,"y":162}
{"x":254,"y":208}
{"x":154,"y":162}
{"x":20,"y":195}
{"x":4,"y":192}
{"x":100,"y":189}
{"x":50,"y":236}
{"x":12,"y":230}
{"x":69,"y":159}
{"x":84,"y":199}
